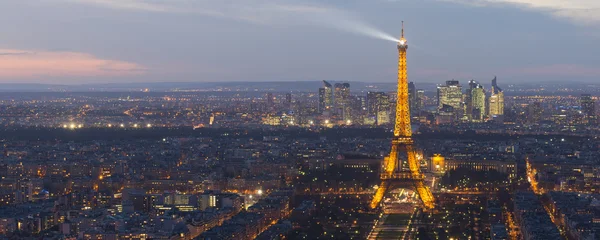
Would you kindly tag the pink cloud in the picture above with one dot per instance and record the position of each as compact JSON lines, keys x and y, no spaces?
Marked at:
{"x":560,"y":70}
{"x":23,"y":64}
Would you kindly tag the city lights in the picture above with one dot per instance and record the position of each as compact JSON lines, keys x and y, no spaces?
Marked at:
{"x":356,"y":157}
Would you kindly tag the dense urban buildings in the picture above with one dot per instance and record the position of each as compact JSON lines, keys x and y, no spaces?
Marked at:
{"x":378,"y":107}
{"x":185,"y":165}
{"x":314,"y":160}
{"x":588,"y":108}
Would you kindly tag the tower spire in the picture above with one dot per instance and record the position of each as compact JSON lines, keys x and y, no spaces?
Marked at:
{"x":402,"y":29}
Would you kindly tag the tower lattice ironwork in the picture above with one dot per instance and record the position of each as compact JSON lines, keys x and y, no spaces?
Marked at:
{"x":394,"y":173}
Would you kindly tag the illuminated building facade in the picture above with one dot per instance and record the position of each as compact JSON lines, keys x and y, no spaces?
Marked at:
{"x":469,"y":99}
{"x":378,"y":106}
{"x":438,"y":164}
{"x":382,"y":118}
{"x":325,"y":97}
{"x":496,"y":100}
{"x":478,"y":103}
{"x":507,"y":167}
{"x":401,"y":167}
{"x":450,"y":94}
{"x":419,"y":101}
{"x":342,"y":103}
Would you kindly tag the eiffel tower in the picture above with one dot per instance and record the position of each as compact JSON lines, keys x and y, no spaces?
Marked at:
{"x":394,"y":174}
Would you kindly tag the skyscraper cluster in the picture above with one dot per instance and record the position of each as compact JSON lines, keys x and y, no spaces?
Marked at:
{"x":378,"y":107}
{"x":337,"y":106}
{"x":335,"y":101}
{"x":475,"y":104}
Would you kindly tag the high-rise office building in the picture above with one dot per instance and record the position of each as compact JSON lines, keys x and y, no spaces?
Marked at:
{"x":361,"y":103}
{"x":359,"y":108}
{"x":342,"y":101}
{"x":412,"y":95}
{"x":496,"y":100}
{"x":588,"y":107}
{"x":469,"y":99}
{"x":419,"y":101}
{"x":322,"y":97}
{"x":372,"y":101}
{"x":325,"y":97}
{"x":478,"y":103}
{"x":451,"y":95}
{"x":378,"y":105}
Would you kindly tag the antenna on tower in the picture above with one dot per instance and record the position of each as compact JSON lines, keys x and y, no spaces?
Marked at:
{"x":403,"y":29}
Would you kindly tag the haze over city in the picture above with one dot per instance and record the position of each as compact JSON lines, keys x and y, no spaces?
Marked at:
{"x":101,"y":41}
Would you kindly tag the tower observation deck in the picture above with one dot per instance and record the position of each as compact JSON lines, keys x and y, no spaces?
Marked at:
{"x":394,"y":173}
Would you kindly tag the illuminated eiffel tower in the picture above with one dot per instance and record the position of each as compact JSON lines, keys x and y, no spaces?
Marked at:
{"x":394,"y":173}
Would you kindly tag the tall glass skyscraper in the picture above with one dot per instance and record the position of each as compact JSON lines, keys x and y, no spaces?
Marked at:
{"x":325,"y":97}
{"x":496,"y":100}
{"x":451,"y":95}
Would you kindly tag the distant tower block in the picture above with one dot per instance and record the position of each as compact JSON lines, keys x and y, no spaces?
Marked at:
{"x":402,"y":168}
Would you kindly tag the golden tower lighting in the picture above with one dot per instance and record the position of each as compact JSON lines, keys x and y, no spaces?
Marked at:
{"x":393,"y":176}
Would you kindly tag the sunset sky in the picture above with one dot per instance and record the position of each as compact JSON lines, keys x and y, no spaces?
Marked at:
{"x":97,"y":41}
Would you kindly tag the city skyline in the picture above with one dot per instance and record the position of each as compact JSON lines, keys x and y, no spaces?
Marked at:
{"x":129,"y":120}
{"x":81,"y":41}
